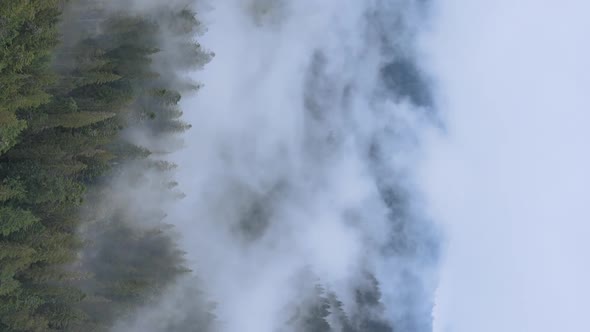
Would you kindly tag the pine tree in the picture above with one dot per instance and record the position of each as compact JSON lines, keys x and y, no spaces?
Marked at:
{"x":315,"y":317}
{"x":112,"y":96}
{"x":56,"y":248}
{"x":128,"y":151}
{"x":161,"y":165}
{"x":11,"y":189}
{"x":29,"y":100}
{"x":10,"y":128}
{"x":14,"y":219}
{"x":58,"y":135}
{"x":183,"y":22}
{"x":48,"y":192}
{"x":77,"y":119}
{"x":96,"y":77}
{"x":165,"y":96}
{"x":339,"y":316}
{"x":369,"y":309}
{"x":87,"y":76}
{"x":14,"y":258}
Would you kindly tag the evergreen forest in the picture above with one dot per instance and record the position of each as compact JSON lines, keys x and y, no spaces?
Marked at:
{"x":74,"y":76}
{"x":80,"y":81}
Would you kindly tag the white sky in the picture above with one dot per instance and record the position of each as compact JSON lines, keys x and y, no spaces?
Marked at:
{"x":509,"y":179}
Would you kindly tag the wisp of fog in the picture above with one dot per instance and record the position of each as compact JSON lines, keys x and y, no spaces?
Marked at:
{"x":296,"y":170}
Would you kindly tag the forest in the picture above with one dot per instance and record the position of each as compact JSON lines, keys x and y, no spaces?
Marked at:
{"x":79,"y":82}
{"x":66,"y":100}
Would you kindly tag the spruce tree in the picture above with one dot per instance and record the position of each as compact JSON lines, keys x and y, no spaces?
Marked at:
{"x":77,"y":119}
{"x":14,"y":219}
{"x":11,"y":189}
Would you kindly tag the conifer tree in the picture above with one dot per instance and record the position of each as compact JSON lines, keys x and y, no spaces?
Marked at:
{"x":77,"y":119}
{"x":10,"y":128}
{"x":60,"y":117}
{"x":15,"y":219}
{"x":96,"y":77}
{"x":10,"y":189}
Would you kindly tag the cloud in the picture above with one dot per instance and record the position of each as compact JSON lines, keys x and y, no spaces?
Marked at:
{"x":296,"y":168}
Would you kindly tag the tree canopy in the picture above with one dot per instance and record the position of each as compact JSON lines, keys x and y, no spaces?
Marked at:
{"x":65,"y":99}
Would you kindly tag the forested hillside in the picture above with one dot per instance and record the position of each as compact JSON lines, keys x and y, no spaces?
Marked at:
{"x":75,"y":79}
{"x":90,"y":113}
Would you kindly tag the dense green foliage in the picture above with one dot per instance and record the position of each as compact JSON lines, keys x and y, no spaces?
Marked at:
{"x":62,"y":110}
{"x":72,"y":84}
{"x":28,"y":35}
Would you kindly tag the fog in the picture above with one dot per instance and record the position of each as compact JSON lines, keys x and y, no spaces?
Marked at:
{"x":356,"y":151}
{"x":508,"y":177}
{"x":296,"y":169}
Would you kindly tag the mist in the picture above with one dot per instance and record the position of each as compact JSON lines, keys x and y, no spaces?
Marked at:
{"x":382,"y":166}
{"x":297,"y":169}
{"x":294,"y":165}
{"x":507,"y":179}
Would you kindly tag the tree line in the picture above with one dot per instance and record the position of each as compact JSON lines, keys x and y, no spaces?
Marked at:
{"x":74,"y":78}
{"x":65,"y":100}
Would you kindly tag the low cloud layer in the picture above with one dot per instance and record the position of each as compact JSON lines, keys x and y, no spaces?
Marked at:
{"x":296,"y":168}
